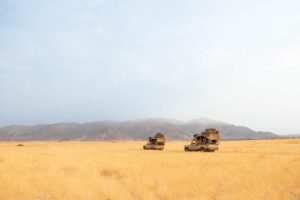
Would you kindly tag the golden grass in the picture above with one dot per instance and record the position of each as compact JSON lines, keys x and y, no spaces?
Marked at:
{"x":267,"y":169}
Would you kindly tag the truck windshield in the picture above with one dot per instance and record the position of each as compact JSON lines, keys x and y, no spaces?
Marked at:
{"x":213,"y":141}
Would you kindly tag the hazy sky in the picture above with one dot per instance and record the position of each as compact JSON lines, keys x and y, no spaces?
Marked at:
{"x":76,"y":60}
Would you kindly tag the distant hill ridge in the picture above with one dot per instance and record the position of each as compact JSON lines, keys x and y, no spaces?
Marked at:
{"x":128,"y":130}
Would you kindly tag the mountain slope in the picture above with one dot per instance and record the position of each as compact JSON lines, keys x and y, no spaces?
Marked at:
{"x":127,"y":130}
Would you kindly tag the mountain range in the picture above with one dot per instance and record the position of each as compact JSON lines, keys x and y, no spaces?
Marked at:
{"x":128,"y":130}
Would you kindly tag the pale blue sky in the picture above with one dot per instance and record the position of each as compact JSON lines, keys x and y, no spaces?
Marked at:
{"x":76,"y":60}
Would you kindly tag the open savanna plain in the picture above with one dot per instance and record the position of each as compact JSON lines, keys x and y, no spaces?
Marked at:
{"x":254,"y":169}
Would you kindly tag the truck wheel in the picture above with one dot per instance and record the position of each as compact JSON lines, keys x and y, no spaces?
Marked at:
{"x":186,"y":149}
{"x":202,"y":149}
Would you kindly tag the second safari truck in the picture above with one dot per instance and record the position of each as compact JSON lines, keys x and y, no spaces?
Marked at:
{"x":155,"y":143}
{"x":207,"y":141}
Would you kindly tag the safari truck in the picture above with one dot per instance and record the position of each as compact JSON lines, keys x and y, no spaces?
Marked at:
{"x":155,"y":143}
{"x":207,"y":141}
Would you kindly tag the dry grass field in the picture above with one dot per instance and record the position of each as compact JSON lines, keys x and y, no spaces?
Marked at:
{"x":268,"y":169}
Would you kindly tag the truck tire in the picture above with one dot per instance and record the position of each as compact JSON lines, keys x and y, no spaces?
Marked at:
{"x":202,"y":149}
{"x":186,"y":149}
